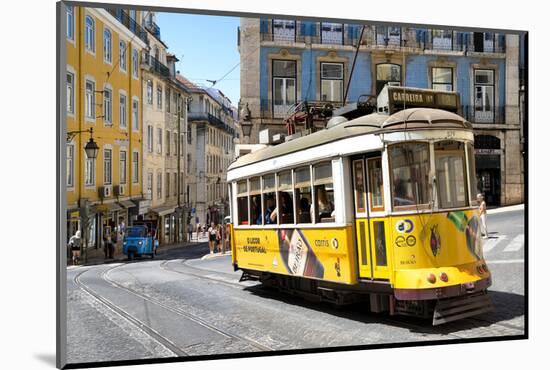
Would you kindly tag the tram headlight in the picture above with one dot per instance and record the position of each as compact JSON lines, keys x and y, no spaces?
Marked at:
{"x":443,"y":277}
{"x":431,"y":278}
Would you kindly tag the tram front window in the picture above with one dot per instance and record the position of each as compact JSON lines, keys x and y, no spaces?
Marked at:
{"x":324,"y":193}
{"x":410,"y":166}
{"x":450,"y":173}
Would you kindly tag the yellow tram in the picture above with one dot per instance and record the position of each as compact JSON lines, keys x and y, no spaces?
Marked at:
{"x":380,"y":208}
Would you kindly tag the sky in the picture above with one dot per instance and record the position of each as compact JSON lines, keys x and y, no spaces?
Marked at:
{"x":206,"y":46}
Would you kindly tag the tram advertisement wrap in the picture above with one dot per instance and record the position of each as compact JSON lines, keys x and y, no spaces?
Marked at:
{"x":425,"y":242}
{"x":314,"y":253}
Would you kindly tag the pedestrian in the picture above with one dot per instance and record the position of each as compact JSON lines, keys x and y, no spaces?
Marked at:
{"x":227,"y":238}
{"x":74,"y":243}
{"x":212,"y":232}
{"x":483,"y":215}
{"x":218,"y":237}
{"x":114,"y":241}
{"x":107,"y":242}
{"x":189,"y":232}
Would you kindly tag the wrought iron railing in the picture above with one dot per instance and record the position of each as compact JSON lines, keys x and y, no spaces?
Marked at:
{"x":495,"y":115}
{"x":156,"y":65}
{"x":130,"y":23}
{"x":215,"y":121}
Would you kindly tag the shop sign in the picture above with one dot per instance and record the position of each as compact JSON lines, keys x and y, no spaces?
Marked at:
{"x":488,"y":151}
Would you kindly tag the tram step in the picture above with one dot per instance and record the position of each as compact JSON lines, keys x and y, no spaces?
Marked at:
{"x":459,"y":308}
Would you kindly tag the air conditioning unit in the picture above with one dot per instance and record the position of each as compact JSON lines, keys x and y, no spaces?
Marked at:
{"x":105,"y":191}
{"x":119,"y":190}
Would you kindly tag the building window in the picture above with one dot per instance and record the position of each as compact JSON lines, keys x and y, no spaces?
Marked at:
{"x":149,"y":92}
{"x":70,"y":22}
{"x":70,"y":165}
{"x":135,"y":61}
{"x":107,"y":106}
{"x":70,"y":92}
{"x":122,"y":167}
{"x":442,"y":39}
{"x":168,"y":137}
{"x":107,"y":46}
{"x":150,"y":185}
{"x":188,"y":163}
{"x":135,"y":169}
{"x":442,"y":79}
{"x":107,"y":167}
{"x":135,"y":115}
{"x":175,"y":176}
{"x":484,"y":95}
{"x":168,"y":184}
{"x":284,"y":86}
{"x":122,"y":111}
{"x":150,"y":138}
{"x":484,"y":42}
{"x":332,"y":33}
{"x":332,"y":81}
{"x":284,"y":30}
{"x":175,"y":138}
{"x":90,"y":99}
{"x":386,"y":35}
{"x":159,"y":97}
{"x":389,"y":74}
{"x":159,"y":140}
{"x":89,"y":171}
{"x":122,"y":53}
{"x":159,"y":185}
{"x":168,"y":100}
{"x":90,"y":34}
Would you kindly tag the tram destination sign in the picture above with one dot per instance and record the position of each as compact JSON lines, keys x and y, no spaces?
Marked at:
{"x":396,"y":98}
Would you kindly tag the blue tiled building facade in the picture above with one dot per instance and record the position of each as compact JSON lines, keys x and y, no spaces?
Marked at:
{"x":286,"y":61}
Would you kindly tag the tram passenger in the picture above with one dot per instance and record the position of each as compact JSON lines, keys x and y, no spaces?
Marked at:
{"x":270,"y":216}
{"x":325,"y":208}
{"x":304,"y":215}
{"x":286,"y":209}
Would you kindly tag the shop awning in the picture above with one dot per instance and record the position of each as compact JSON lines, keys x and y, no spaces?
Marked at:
{"x":106,"y":208}
{"x":127,"y":203}
{"x":163,"y":211}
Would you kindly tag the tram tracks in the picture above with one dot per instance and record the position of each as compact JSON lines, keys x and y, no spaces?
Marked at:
{"x":184,"y":314}
{"x":146,"y":329}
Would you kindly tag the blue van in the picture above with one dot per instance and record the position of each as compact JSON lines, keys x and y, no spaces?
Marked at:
{"x":139,"y":240}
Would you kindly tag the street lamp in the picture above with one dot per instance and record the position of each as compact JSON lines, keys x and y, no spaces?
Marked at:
{"x":91,"y":147}
{"x":246,"y":125}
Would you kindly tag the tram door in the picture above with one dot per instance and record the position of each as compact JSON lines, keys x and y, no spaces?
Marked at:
{"x":370,"y":225}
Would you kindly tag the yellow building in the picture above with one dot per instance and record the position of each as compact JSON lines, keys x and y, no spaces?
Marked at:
{"x":103,"y":49}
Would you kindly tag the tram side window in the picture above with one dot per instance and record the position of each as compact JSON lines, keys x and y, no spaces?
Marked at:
{"x":302,"y":186}
{"x":473,"y":178}
{"x":242,"y":202}
{"x":324,"y":193}
{"x":268,"y":191}
{"x":450,"y":174}
{"x":285,"y":207}
{"x":410,"y":164}
{"x":255,"y":201}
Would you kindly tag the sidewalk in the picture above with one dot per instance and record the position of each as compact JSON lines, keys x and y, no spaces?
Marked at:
{"x":97,"y":257}
{"x":516,"y":207}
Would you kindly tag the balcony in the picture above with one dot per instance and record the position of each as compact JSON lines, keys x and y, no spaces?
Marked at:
{"x":153,"y":28}
{"x":207,"y":117}
{"x":155,"y":65}
{"x":130,"y":23}
{"x":268,"y":110}
{"x":495,"y":116}
{"x":398,"y":38}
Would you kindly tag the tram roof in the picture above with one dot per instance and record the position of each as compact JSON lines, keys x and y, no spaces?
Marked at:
{"x":375,"y":123}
